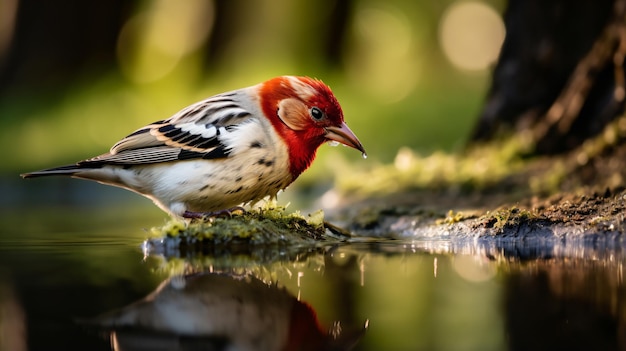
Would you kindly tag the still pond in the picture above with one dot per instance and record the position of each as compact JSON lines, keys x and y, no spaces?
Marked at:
{"x":76,"y":277}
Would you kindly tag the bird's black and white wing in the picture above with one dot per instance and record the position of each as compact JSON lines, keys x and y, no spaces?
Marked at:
{"x":197,"y":131}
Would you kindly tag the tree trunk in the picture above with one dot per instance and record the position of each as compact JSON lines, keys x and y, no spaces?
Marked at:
{"x":560,"y":73}
{"x":56,"y":41}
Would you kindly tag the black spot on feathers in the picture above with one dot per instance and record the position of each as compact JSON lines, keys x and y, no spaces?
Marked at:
{"x":256,"y":145}
{"x":265,"y":162}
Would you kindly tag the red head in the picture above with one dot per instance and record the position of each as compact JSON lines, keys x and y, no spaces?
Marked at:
{"x":306,"y":114}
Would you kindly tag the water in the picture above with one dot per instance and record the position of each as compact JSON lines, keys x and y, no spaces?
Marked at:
{"x":62,"y":266}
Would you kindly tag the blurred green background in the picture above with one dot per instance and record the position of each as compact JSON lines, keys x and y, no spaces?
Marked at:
{"x":76,"y":77}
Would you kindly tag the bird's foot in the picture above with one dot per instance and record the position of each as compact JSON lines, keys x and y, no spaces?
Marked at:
{"x":228,"y":213}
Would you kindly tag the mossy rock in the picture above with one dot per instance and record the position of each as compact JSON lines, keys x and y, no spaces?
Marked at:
{"x":265,"y":228}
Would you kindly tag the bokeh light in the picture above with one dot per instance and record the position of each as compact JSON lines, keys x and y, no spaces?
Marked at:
{"x":155,"y":40}
{"x":472,"y":270}
{"x":8,"y":14}
{"x":471,"y":34}
{"x":382,"y":60}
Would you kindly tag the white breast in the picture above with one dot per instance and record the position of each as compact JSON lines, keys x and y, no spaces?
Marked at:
{"x":258,"y":166}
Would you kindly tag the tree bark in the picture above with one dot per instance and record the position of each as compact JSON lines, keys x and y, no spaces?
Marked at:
{"x":54,"y":42}
{"x":560,"y":73}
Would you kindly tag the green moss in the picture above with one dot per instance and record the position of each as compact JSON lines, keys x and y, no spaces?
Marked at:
{"x":452,"y":218}
{"x":479,"y":168}
{"x":613,"y":134}
{"x":507,"y":218}
{"x":599,"y":220}
{"x":267,"y":225}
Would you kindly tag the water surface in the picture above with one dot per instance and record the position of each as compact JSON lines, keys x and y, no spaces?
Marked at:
{"x":63,"y":265}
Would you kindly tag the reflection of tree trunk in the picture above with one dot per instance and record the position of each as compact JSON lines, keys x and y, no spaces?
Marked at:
{"x":53,"y":40}
{"x":344,"y":287}
{"x":551,"y":305}
{"x":560,"y":72}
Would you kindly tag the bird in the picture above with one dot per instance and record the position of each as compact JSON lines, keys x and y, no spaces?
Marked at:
{"x":229,"y":150}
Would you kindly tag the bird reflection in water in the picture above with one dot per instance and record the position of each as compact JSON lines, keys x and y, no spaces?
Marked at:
{"x":216,"y":311}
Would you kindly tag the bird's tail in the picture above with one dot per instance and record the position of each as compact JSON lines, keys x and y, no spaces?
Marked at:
{"x":68,"y":170}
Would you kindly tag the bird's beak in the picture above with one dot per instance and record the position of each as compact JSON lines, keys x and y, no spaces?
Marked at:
{"x":344,"y":135}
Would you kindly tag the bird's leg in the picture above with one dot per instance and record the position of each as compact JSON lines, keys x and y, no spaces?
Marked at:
{"x":214,"y":214}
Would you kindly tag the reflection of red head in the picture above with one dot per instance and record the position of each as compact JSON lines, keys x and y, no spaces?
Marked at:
{"x":304,"y":330}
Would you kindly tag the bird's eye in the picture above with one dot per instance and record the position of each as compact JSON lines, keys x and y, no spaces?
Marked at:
{"x":317,"y":114}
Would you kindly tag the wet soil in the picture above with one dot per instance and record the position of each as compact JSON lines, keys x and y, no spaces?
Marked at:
{"x":588,"y":198}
